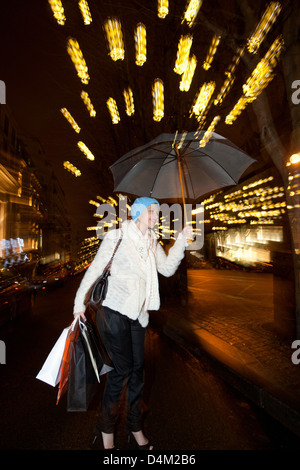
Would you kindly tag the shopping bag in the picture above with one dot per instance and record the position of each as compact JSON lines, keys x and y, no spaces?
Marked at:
{"x":100,"y":360}
{"x":51,"y":370}
{"x":73,"y":332}
{"x":82,"y":383}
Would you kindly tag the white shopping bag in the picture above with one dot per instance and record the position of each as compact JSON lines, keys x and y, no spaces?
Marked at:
{"x":50,"y":372}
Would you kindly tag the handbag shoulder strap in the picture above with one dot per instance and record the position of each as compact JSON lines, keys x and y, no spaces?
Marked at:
{"x":114,"y":252}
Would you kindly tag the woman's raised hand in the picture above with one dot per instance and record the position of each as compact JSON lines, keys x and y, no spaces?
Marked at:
{"x":188,"y":232}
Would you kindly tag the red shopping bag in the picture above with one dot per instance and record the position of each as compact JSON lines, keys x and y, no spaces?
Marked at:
{"x":65,"y":366}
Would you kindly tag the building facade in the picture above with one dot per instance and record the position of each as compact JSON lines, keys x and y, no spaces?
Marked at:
{"x":33,"y":218}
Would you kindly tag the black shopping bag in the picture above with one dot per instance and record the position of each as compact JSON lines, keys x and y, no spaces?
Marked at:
{"x":98,"y":355}
{"x":83,"y":383}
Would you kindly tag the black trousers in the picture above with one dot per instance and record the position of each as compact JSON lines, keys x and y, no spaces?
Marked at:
{"x":124,"y":340}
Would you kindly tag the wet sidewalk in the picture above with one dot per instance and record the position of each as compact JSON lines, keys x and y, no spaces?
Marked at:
{"x":229,"y":315}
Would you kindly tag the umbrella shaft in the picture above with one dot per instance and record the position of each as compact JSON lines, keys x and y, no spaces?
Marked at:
{"x":182,"y":189}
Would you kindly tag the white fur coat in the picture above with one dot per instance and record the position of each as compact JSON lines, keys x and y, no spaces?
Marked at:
{"x":133,"y":284}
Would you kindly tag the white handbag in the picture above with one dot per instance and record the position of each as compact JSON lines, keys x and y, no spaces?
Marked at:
{"x":50,"y":372}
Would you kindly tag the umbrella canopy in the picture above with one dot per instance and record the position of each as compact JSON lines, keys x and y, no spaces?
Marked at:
{"x":175,"y":166}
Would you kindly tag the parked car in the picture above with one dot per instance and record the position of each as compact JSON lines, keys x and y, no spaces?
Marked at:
{"x":16,"y":295}
{"x":49,"y":275}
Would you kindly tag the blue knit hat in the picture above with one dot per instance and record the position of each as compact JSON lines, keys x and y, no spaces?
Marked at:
{"x":140,"y":204}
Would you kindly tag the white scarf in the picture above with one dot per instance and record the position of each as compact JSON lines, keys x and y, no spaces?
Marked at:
{"x":145,"y":246}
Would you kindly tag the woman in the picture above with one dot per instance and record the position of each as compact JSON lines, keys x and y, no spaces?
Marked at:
{"x":132,"y":291}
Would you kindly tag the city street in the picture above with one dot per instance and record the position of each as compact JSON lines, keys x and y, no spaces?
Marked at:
{"x":165,"y":116}
{"x":190,"y":407}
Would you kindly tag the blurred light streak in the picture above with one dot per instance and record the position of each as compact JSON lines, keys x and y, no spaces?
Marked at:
{"x":58,"y":11}
{"x":212,"y":50}
{"x":264,"y":26}
{"x":188,"y":74}
{"x":71,"y":168}
{"x":85,"y":98}
{"x":113,"y":110}
{"x":85,"y":11}
{"x":259,"y":79}
{"x":263,"y":73}
{"x":183,"y":52}
{"x":203,"y":98}
{"x":140,"y":44}
{"x":70,"y":119}
{"x":230,"y":74}
{"x":209,"y":132}
{"x":85,"y":150}
{"x":115,"y":39}
{"x":158,"y":99}
{"x":162,"y":8}
{"x":237,"y":109}
{"x":192,"y":11}
{"x":78,"y":60}
{"x":94,"y":203}
{"x":128,"y":97}
{"x":228,"y":82}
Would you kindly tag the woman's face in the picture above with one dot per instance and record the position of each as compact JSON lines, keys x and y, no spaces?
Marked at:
{"x":149,"y":216}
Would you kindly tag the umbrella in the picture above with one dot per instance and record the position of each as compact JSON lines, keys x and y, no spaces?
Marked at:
{"x":174,"y":166}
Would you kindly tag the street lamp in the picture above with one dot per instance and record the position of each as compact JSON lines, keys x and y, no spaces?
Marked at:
{"x":294,"y":159}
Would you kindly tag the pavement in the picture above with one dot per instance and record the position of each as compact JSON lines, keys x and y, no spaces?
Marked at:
{"x":238,"y":334}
